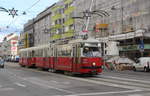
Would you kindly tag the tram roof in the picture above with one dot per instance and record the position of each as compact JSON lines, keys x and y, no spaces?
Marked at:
{"x":36,"y":47}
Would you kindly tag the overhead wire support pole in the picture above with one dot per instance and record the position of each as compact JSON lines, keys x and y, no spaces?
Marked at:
{"x":88,"y":18}
{"x":87,"y":14}
{"x":122,"y":9}
{"x":122,"y":23}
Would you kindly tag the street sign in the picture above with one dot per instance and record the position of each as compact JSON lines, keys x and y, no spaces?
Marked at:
{"x":85,"y":31}
{"x":141,"y":46}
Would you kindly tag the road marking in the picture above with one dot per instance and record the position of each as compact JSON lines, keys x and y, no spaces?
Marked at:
{"x":103,"y":93}
{"x":40,"y":83}
{"x":6,"y":89}
{"x":21,"y":85}
{"x":123,"y":82}
{"x":54,"y":81}
{"x":135,"y":95}
{"x":109,"y":83}
{"x":119,"y":78}
{"x":67,"y":83}
{"x":45,"y":84}
{"x":93,"y":81}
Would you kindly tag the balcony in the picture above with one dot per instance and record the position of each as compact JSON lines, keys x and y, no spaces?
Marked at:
{"x":56,"y":17}
{"x":69,"y":22}
{"x":68,"y":1}
{"x":69,"y":10}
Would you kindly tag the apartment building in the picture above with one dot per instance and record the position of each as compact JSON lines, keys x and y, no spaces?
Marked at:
{"x":42,"y":25}
{"x":125,"y":23}
{"x":9,"y":46}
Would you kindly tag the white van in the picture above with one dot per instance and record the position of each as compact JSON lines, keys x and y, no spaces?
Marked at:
{"x":142,"y":63}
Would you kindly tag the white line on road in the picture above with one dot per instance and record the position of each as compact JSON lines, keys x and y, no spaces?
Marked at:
{"x":96,"y":82}
{"x":6,"y":89}
{"x":103,"y":93}
{"x":46,"y":84}
{"x":39,"y":82}
{"x":135,"y":95}
{"x":109,"y":84}
{"x":21,"y":85}
{"x":123,"y":82}
{"x":119,"y":78}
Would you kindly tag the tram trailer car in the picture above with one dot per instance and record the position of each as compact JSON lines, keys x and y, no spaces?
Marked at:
{"x":26,"y":57}
{"x":75,"y":57}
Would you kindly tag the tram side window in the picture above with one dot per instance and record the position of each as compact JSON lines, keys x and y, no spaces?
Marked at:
{"x":30,"y":54}
{"x":36,"y":53}
{"x":45,"y":52}
{"x":59,"y":53}
{"x":40,"y":53}
{"x":25,"y":54}
{"x":22,"y":54}
{"x":64,"y":53}
{"x":50,"y":52}
{"x":68,"y":52}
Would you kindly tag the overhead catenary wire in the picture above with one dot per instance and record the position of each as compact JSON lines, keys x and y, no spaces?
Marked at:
{"x":33,"y":5}
{"x":13,"y":21}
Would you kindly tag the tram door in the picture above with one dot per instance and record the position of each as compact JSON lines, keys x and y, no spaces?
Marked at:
{"x":55,"y":56}
{"x":46,"y":57}
{"x":76,"y":57}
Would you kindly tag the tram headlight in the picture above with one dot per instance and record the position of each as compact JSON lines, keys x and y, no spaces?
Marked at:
{"x":94,"y":64}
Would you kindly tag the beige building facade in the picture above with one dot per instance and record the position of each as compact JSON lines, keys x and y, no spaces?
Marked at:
{"x":125,"y":22}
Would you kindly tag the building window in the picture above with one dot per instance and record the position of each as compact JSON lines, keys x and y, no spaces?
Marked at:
{"x":56,"y":22}
{"x":63,"y":29}
{"x":63,"y":20}
{"x":59,"y":21}
{"x":66,"y":6}
{"x":71,"y":27}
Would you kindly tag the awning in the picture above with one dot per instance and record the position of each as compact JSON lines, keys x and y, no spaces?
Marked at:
{"x":138,"y":33}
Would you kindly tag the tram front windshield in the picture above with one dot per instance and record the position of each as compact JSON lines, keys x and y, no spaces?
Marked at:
{"x":91,"y":52}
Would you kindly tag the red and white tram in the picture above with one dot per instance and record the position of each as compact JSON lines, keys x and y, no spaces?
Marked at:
{"x":76,"y":57}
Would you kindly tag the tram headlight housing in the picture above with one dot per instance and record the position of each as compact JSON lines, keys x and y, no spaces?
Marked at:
{"x":94,"y":64}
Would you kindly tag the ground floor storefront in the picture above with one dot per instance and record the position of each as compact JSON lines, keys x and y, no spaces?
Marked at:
{"x":132,"y":45}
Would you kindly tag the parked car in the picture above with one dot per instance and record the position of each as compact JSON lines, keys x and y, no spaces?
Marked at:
{"x":16,"y":59}
{"x":143,"y":64}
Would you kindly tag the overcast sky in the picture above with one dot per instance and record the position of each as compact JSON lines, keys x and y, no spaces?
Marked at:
{"x":32,"y":8}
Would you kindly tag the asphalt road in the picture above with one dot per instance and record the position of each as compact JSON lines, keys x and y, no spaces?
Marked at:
{"x":17,"y":81}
